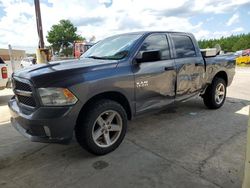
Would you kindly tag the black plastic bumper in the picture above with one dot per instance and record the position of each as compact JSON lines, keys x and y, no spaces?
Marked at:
{"x":44,"y":124}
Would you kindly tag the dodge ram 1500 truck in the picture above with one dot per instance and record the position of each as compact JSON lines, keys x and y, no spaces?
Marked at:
{"x":117,"y":79}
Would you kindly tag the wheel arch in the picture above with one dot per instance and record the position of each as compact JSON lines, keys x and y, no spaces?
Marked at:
{"x":111,"y":95}
{"x":223,"y":75}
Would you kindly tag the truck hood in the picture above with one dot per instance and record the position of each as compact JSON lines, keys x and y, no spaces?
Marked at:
{"x":60,"y":70}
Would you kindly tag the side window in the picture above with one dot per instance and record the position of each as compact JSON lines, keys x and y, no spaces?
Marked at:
{"x":157,"y":42}
{"x":183,"y":46}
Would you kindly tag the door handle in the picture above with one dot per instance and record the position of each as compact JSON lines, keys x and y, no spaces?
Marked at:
{"x":168,"y":68}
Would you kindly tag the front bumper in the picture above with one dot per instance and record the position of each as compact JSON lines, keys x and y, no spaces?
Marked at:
{"x":44,"y":124}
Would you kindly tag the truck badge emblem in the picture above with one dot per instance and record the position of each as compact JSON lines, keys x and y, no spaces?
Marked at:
{"x":142,"y":84}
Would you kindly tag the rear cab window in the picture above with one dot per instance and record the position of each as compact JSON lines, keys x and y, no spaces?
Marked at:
{"x":183,"y":46}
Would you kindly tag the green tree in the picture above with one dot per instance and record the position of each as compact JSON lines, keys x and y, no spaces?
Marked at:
{"x":63,"y":35}
{"x":229,"y":44}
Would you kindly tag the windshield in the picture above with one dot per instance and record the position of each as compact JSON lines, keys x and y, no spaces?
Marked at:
{"x":116,"y":47}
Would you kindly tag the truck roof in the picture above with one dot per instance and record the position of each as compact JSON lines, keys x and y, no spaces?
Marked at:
{"x":151,"y":32}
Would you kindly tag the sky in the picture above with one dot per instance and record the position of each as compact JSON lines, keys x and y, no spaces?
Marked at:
{"x":103,"y":18}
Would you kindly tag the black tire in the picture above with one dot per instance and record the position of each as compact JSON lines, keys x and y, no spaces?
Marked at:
{"x":209,"y":98}
{"x":85,"y":126}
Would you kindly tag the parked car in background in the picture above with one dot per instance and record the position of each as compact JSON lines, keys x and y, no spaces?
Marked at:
{"x":80,"y":47}
{"x":117,"y":79}
{"x":238,"y":53}
{"x":28,"y":61}
{"x":244,"y":58}
{"x":4,"y":74}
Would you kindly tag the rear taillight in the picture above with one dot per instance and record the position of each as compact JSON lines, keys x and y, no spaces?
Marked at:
{"x":4,"y":72}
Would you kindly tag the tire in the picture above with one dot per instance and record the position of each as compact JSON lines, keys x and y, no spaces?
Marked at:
{"x":210,"y":98}
{"x":97,"y":132}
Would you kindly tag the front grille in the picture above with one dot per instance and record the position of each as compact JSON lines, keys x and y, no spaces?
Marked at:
{"x":26,"y":100}
{"x":22,"y":86}
{"x":23,"y":92}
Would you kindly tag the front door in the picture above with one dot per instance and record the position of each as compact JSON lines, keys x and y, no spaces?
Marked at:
{"x":155,"y":81}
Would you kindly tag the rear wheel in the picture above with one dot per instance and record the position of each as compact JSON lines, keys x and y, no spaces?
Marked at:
{"x":215,"y":94}
{"x":102,"y":128}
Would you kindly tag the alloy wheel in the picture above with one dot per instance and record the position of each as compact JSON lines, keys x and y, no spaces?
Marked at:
{"x":107,"y":128}
{"x":219,"y":93}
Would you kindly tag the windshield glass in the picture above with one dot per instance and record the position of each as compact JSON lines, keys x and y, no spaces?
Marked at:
{"x":116,"y":47}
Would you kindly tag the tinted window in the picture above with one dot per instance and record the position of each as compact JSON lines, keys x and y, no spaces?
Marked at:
{"x":157,"y":42}
{"x":1,"y":61}
{"x":183,"y":46}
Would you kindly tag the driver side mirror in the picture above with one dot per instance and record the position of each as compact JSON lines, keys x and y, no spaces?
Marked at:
{"x":148,"y":56}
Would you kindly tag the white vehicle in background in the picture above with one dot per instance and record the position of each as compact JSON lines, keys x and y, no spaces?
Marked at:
{"x":3,"y":74}
{"x":238,"y":53}
{"x":28,"y":61}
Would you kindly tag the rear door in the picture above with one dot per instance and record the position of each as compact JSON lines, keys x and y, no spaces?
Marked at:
{"x":155,"y":81}
{"x":190,"y":68}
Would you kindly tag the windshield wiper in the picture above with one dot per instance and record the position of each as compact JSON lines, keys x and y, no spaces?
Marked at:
{"x":96,"y":57}
{"x":106,"y":57}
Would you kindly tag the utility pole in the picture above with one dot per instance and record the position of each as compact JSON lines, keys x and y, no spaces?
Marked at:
{"x":39,"y":23}
{"x":42,"y":54}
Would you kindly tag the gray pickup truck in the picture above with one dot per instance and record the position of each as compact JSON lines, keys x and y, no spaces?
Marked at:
{"x":117,"y":79}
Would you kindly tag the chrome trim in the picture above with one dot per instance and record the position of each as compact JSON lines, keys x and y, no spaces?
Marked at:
{"x":22,"y":80}
{"x":23,"y":93}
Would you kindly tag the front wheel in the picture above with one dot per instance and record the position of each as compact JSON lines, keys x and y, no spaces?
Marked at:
{"x":103,"y":127}
{"x":215,"y":94}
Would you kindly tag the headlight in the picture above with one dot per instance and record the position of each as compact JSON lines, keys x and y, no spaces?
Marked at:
{"x":56,"y":96}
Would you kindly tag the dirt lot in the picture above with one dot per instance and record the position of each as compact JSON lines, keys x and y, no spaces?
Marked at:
{"x":185,"y":146}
